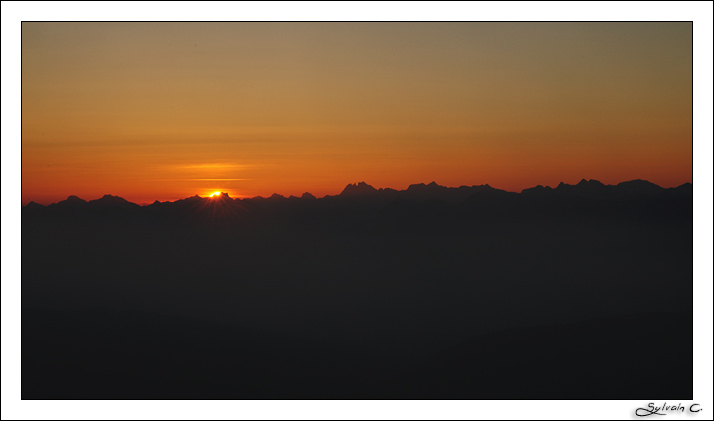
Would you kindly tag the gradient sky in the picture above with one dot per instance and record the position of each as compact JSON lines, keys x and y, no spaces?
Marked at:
{"x":164,"y":111}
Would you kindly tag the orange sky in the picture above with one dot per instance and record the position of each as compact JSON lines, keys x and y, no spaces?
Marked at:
{"x":164,"y":111}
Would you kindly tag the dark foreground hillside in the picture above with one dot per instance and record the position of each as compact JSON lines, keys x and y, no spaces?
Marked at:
{"x":103,"y":354}
{"x":572,"y":292}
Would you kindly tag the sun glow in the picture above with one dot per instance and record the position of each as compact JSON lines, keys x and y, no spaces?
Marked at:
{"x":215,"y":194}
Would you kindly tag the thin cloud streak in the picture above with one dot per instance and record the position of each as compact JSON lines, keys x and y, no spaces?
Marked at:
{"x":213,"y":166}
{"x":201,"y":179}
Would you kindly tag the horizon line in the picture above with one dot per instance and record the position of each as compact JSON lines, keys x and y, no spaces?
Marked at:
{"x":357,"y":184}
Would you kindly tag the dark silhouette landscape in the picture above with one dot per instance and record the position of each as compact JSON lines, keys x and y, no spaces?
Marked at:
{"x":575,"y":292}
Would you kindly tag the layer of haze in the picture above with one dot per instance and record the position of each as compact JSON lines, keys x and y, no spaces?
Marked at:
{"x":164,"y":111}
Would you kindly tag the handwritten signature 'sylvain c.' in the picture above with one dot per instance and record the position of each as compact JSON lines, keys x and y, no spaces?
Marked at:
{"x":661,"y":410}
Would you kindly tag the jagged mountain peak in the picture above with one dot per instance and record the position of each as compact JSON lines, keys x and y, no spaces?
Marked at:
{"x":33,"y":204}
{"x":360,"y":188}
{"x":74,"y":199}
{"x":639,"y":187}
{"x":590,"y":182}
{"x":431,"y":185}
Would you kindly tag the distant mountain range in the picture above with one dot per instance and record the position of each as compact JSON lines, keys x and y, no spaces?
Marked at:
{"x":430,"y":292}
{"x":593,"y":189}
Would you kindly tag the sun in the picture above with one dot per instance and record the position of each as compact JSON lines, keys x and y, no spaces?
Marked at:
{"x":215,"y":194}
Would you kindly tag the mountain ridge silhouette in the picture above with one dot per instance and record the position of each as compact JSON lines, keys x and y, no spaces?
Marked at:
{"x":420,"y":191}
